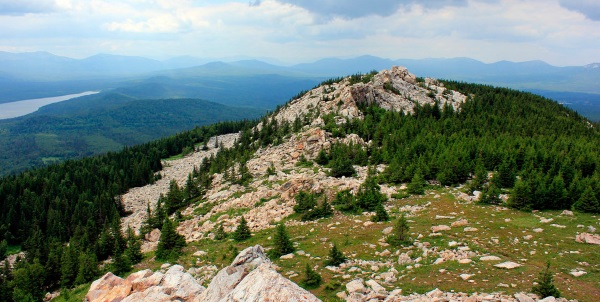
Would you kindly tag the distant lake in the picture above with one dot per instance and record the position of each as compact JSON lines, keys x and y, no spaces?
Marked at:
{"x":20,"y":108}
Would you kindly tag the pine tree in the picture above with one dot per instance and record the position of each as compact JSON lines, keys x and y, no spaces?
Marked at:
{"x":120,"y":263}
{"x":28,"y":282}
{"x":380,"y":214}
{"x":369,"y":194}
{"x":545,"y":285}
{"x":242,"y":232}
{"x":88,"y":268}
{"x":417,"y":184}
{"x":322,"y":158}
{"x":170,"y":242}
{"x":220,"y":233}
{"x":336,"y":257}
{"x":400,"y":232}
{"x":282,"y":245}
{"x":490,"y":194}
{"x":311,"y":279}
{"x":587,"y":203}
{"x":133,"y":252}
{"x":520,"y":198}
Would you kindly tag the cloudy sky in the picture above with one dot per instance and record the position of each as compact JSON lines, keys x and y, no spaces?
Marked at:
{"x":561,"y":32}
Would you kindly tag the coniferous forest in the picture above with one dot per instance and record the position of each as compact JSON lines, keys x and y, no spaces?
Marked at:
{"x":541,"y":154}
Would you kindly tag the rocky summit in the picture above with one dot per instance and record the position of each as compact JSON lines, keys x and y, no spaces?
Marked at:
{"x":456,"y":248}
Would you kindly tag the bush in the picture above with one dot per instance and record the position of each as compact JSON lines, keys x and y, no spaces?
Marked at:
{"x":545,"y":287}
{"x":400,"y":232}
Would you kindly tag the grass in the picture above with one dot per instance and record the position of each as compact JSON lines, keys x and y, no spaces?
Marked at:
{"x":360,"y":241}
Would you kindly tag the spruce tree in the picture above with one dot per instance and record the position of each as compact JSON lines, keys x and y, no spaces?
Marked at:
{"x":88,"y":268}
{"x":170,"y":242}
{"x":242,"y":232}
{"x":520,"y":197}
{"x":587,"y":203}
{"x":120,"y":263}
{"x":400,"y":234}
{"x":220,"y":233}
{"x":282,"y":244}
{"x":417,"y":184}
{"x":133,"y":252}
{"x":380,"y":214}
{"x":545,"y":285}
{"x":336,"y":257}
{"x":311,"y":279}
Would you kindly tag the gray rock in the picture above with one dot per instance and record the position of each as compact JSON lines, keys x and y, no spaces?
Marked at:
{"x":226,"y":280}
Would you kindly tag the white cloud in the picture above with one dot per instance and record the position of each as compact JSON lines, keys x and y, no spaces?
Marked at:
{"x":300,"y":30}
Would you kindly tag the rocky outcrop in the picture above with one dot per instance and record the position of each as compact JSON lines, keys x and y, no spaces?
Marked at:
{"x":265,"y":284}
{"x":228,"y":278}
{"x":250,"y":277}
{"x":174,"y":285}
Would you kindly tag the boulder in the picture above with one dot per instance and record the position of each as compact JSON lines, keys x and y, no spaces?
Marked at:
{"x":229,"y":277}
{"x":521,"y":297}
{"x":438,"y":228}
{"x":356,"y":286}
{"x":460,"y":222}
{"x":375,"y":286}
{"x":588,"y":238}
{"x":490,"y":258}
{"x":265,"y":284}
{"x":507,"y":265}
{"x":109,"y":288}
{"x":179,"y":284}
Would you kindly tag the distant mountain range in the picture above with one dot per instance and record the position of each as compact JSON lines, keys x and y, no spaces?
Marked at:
{"x":254,"y":83}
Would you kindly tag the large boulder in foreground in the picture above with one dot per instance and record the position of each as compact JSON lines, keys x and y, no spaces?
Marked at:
{"x":250,"y":277}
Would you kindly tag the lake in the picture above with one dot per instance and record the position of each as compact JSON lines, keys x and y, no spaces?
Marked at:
{"x":20,"y":108}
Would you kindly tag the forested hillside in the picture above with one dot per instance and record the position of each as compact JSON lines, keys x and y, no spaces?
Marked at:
{"x":539,"y":153}
{"x":101,"y":123}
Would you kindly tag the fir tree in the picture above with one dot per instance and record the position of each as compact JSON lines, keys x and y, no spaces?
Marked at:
{"x":134,"y":247}
{"x":282,"y":245}
{"x":170,"y":242}
{"x":88,"y":268}
{"x":490,"y":194}
{"x":369,"y":195}
{"x":380,"y":214}
{"x":120,"y":263}
{"x":417,"y":184}
{"x":521,"y":196}
{"x":587,"y":203}
{"x":305,"y":201}
{"x":242,"y":232}
{"x":311,"y":279}
{"x":322,"y":158}
{"x":28,"y":282}
{"x":545,"y":285}
{"x":336,"y":257}
{"x":400,"y":232}
{"x":220,"y":233}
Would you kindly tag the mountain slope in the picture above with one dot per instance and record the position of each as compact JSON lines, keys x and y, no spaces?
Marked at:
{"x":337,"y":166}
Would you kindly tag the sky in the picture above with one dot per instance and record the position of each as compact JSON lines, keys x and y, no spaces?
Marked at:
{"x":560,"y":32}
